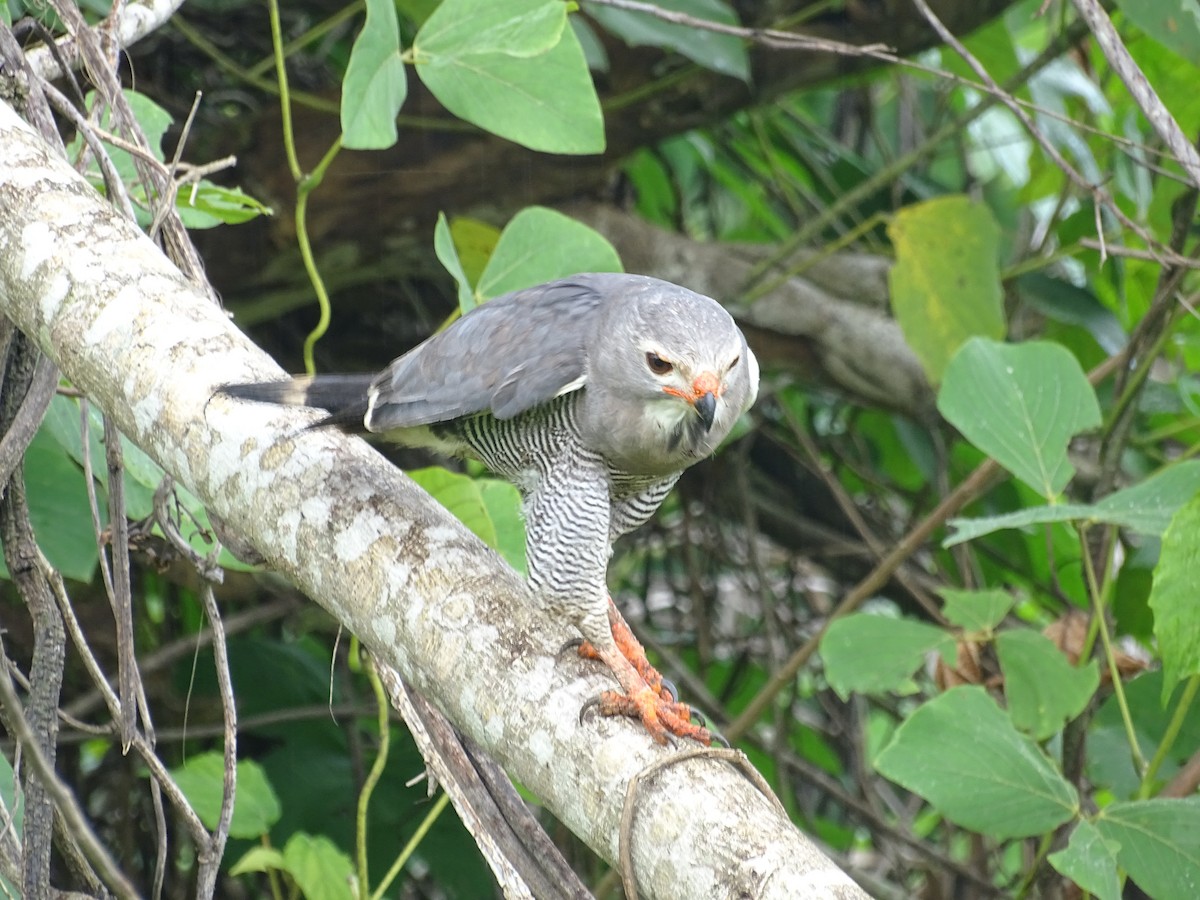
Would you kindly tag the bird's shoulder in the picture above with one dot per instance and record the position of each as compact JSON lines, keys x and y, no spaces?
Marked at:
{"x":505,"y":357}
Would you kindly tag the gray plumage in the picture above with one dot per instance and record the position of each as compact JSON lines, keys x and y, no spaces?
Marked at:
{"x":591,"y":394}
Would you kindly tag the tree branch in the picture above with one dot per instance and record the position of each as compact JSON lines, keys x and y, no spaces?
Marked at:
{"x":352,"y":531}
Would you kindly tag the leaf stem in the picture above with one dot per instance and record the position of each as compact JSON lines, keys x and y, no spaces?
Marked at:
{"x":1098,"y":604}
{"x":377,"y":767}
{"x":1169,"y":736}
{"x":412,"y":844}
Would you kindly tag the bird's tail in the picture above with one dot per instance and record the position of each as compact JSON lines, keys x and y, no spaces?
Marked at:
{"x":344,"y":396}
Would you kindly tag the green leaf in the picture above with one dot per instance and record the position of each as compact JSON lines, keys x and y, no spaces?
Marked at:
{"x":1159,"y":843}
{"x":1173,"y":597}
{"x":447,"y":254}
{"x":320,"y":869}
{"x":873,"y":654}
{"x":1090,"y":862}
{"x":475,"y":242}
{"x":1044,"y":690}
{"x":503,"y":504}
{"x":540,"y":98}
{"x":976,"y":612}
{"x":464,"y":28}
{"x":1109,"y":764}
{"x":1020,"y":404}
{"x":255,"y":807}
{"x":1146,"y":508}
{"x":375,"y":84}
{"x":961,"y":753}
{"x":258,"y":859}
{"x":142,"y":474}
{"x":209,"y":205}
{"x":1064,"y":302}
{"x":468,"y":501}
{"x":58,"y":508}
{"x":721,"y":53}
{"x":945,"y":285}
{"x":1149,"y":507}
{"x":541,"y":245}
{"x":1174,"y":24}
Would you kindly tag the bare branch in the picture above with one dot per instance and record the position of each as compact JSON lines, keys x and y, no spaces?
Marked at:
{"x":134,"y":20}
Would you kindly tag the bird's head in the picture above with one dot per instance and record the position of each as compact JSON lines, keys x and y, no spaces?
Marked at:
{"x":676,"y":371}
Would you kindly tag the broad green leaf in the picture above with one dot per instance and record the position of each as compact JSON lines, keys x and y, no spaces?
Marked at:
{"x":976,"y":612}
{"x":1109,"y":764}
{"x":722,"y":53}
{"x":447,"y":254}
{"x":375,"y":84}
{"x":961,"y":753}
{"x":464,"y":28}
{"x":545,"y":102}
{"x":1149,"y":507}
{"x":255,"y":807}
{"x":873,"y":654}
{"x":503,"y":504}
{"x":1173,"y":23}
{"x":1146,"y":508}
{"x":541,"y":245}
{"x":475,"y":242}
{"x":492,"y":513}
{"x":945,"y":285}
{"x":58,"y":509}
{"x":320,"y":869}
{"x":417,"y":11}
{"x":1090,"y":862}
{"x":1020,"y":404}
{"x":1159,"y":843}
{"x":142,"y":474}
{"x":209,"y":205}
{"x":1173,"y":597}
{"x":1064,"y":302}
{"x":1043,"y":689}
{"x":258,"y":859}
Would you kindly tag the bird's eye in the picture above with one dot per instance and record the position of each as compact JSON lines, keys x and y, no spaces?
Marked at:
{"x":657,"y":364}
{"x":736,"y":360}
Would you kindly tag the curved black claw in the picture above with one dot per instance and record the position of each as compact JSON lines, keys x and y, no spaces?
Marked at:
{"x":669,"y":686}
{"x":594,"y":703}
{"x":698,"y":717}
{"x":573,"y":644}
{"x":719,"y":738}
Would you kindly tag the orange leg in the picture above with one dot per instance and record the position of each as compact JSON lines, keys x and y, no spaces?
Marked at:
{"x":644,"y":696}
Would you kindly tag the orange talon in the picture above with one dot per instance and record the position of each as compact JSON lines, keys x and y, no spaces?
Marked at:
{"x":648,"y":701}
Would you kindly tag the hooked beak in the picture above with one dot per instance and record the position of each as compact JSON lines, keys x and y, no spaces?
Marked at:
{"x":706,"y":407}
{"x":702,"y":397}
{"x":705,"y":391}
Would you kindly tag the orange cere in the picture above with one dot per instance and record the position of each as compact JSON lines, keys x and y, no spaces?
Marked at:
{"x":705,"y":383}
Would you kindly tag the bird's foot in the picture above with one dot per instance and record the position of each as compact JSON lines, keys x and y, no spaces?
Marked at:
{"x":647,"y":696}
{"x":664,"y":719}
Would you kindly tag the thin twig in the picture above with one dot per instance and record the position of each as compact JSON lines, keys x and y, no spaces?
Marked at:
{"x":64,"y":800}
{"x":1139,"y":88}
{"x":768,"y":37}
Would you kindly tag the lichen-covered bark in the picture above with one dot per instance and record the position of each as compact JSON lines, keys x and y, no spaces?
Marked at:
{"x":364,"y":542}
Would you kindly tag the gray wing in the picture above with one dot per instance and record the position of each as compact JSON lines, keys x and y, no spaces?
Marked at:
{"x":506,"y":356}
